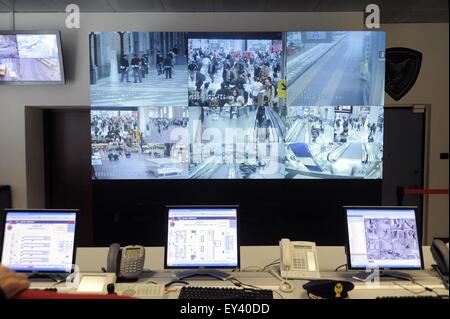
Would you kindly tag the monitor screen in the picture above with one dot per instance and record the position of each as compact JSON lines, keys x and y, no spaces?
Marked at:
{"x":335,"y":68}
{"x":324,"y":142}
{"x":199,"y":237}
{"x":138,"y":68}
{"x":31,"y":58}
{"x":39,"y":241}
{"x":233,"y":69}
{"x":383,"y":237}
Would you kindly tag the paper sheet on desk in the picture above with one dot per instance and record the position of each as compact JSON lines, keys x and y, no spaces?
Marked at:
{"x":93,"y":284}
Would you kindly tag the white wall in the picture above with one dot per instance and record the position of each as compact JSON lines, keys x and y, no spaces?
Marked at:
{"x":431,"y":86}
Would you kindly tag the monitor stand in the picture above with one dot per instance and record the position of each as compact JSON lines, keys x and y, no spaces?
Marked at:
{"x":218,"y":274}
{"x":367,"y":275}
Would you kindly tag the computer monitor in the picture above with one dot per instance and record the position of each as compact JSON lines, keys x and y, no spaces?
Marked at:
{"x":202,"y":237}
{"x":383,"y":238}
{"x":39,"y":241}
{"x":31,"y":58}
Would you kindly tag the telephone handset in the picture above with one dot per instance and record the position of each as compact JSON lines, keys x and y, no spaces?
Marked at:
{"x":440,"y":254}
{"x":439,"y":250}
{"x":127,"y":262}
{"x":298,"y":259}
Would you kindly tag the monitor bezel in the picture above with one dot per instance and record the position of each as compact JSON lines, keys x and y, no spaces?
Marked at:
{"x":347,"y":240}
{"x":51,"y":211}
{"x":60,"y":58}
{"x":166,"y":233}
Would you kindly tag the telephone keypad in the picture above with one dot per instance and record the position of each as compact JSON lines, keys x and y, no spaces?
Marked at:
{"x":132,"y":266}
{"x":299,"y":261}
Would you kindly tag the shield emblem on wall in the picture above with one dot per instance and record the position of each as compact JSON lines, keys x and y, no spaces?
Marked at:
{"x":402,"y":70}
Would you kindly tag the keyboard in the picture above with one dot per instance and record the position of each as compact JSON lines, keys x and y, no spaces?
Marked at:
{"x":410,"y":297}
{"x":224,"y":293}
{"x":145,"y":291}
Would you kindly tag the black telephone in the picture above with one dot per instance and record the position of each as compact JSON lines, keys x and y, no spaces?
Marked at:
{"x":126,"y":262}
{"x":439,"y":250}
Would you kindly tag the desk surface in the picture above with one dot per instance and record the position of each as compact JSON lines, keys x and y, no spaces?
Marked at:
{"x":254,"y":258}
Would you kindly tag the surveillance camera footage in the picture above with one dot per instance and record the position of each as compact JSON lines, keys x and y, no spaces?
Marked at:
{"x":233,"y":71}
{"x":210,"y":105}
{"x":334,"y":142}
{"x":30,"y":58}
{"x":138,"y":68}
{"x":335,"y":68}
{"x":140,"y":143}
{"x":236,"y":143}
{"x":248,"y":142}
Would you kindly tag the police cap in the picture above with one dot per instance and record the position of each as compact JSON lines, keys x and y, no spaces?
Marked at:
{"x":328,"y":289}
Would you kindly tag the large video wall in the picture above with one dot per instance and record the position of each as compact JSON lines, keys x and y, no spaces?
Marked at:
{"x":295,"y":105}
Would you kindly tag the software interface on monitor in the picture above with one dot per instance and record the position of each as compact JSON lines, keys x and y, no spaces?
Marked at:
{"x":202,"y":237}
{"x":39,"y":241}
{"x":384,"y":238}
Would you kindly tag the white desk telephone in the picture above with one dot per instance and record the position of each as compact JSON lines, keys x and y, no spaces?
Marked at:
{"x":298,"y":259}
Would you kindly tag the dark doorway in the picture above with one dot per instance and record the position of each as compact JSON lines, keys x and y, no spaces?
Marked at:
{"x":67,"y":166}
{"x":404,"y":151}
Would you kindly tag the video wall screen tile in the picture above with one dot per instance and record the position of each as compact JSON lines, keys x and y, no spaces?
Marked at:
{"x":234,"y":69}
{"x":243,"y":142}
{"x":138,"y":68}
{"x":335,"y":68}
{"x":334,"y":142}
{"x":140,"y":142}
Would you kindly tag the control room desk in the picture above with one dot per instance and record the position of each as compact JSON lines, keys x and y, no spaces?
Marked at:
{"x":254,"y":258}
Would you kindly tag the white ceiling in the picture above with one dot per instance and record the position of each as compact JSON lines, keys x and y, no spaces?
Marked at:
{"x":392,"y":11}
